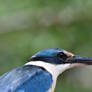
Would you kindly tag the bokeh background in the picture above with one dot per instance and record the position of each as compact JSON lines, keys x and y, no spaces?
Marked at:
{"x":27,"y":26}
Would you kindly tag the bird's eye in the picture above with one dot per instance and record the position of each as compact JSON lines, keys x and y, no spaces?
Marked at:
{"x":62,"y":56}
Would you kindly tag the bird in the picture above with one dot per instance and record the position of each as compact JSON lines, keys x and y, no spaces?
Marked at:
{"x":40,"y":72}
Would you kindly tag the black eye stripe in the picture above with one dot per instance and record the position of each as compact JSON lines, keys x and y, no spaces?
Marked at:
{"x":62,"y":56}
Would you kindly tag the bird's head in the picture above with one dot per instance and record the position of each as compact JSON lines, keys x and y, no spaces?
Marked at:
{"x":57,"y":60}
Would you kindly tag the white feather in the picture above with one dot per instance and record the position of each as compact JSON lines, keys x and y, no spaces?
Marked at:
{"x":54,"y":69}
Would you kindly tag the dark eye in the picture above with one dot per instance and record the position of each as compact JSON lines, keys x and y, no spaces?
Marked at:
{"x":62,"y":56}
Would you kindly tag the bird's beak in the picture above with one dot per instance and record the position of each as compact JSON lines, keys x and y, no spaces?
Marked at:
{"x":79,"y":59}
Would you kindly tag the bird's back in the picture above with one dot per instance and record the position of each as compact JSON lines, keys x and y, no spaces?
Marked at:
{"x":27,"y":78}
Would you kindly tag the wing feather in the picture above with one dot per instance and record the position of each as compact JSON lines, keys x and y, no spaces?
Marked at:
{"x":27,"y":78}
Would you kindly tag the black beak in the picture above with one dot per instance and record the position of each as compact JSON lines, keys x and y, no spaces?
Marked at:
{"x":79,"y":59}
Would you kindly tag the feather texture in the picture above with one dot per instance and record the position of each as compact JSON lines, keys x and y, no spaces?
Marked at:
{"x":27,"y":78}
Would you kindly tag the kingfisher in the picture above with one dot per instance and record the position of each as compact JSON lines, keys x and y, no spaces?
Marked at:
{"x":41,"y":71}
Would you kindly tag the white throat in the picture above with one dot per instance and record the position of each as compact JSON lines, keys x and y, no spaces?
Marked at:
{"x":55,"y":70}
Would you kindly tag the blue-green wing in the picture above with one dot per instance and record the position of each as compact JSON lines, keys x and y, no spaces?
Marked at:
{"x":26,"y":79}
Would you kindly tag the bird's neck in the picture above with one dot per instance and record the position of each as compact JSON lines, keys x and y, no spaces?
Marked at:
{"x":49,"y":68}
{"x":55,"y":70}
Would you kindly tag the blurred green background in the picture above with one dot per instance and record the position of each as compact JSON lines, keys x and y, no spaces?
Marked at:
{"x":28,"y":26}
